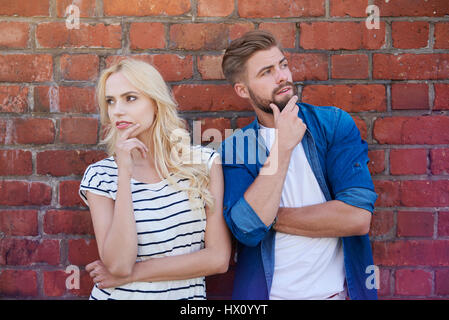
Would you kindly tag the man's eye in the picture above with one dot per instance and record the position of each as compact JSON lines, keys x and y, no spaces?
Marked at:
{"x":266,"y":72}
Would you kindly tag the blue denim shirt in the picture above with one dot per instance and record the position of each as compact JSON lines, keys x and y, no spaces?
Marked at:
{"x":338,"y":158}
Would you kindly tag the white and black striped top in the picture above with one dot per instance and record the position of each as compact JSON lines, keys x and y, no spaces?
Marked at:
{"x":166,"y":226}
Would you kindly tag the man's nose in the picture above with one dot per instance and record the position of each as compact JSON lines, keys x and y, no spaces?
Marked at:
{"x":281,"y":76}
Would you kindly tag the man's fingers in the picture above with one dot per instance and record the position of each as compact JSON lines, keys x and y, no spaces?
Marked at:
{"x":291,"y":104}
{"x":276,"y":111}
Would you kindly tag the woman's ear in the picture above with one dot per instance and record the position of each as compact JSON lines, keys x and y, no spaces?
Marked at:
{"x":241,"y":90}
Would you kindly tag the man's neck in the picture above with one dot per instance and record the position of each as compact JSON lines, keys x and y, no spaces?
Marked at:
{"x":265,"y":119}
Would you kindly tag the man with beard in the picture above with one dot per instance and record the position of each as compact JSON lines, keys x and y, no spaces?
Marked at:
{"x":301,"y":212}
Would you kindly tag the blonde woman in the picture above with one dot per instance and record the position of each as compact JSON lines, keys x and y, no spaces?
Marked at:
{"x":157,"y":215}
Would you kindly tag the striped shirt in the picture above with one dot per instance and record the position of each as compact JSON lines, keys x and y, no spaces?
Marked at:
{"x":166,"y":226}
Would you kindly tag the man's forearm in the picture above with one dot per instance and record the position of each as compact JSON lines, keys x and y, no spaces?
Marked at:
{"x":264,"y":194}
{"x":330,"y":219}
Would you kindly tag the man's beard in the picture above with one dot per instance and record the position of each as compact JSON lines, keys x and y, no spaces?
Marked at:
{"x":264,"y":104}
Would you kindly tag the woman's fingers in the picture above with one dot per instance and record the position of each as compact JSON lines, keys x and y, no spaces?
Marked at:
{"x":128,"y":131}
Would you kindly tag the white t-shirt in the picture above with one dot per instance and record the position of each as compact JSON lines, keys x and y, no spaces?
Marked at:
{"x":304,"y":268}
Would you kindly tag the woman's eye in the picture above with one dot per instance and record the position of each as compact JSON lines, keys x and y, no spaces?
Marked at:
{"x":131,"y":98}
{"x":108,"y":101}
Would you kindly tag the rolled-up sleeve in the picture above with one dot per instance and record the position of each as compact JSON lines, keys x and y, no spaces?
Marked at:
{"x":240,"y":217}
{"x":347,"y":165}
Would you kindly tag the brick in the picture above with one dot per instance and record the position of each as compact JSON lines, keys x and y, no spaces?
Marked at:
{"x":414,"y":8}
{"x":7,"y":134}
{"x":24,"y":252}
{"x":87,"y":8}
{"x":172,"y":67}
{"x":442,"y":282}
{"x":411,"y":253}
{"x":441,"y":36}
{"x":26,"y":67}
{"x":285,"y":33}
{"x":388,"y":193}
{"x":57,"y":35}
{"x":213,"y":129}
{"x":79,"y":131}
{"x":54,"y":283}
{"x":307,"y":66}
{"x":146,"y":8}
{"x":351,"y":8}
{"x":46,"y":99}
{"x":15,"y":163}
{"x":60,"y":163}
{"x":415,"y":224}
{"x":244,"y":121}
{"x":19,"y":193}
{"x":13,"y":99}
{"x":68,"y":222}
{"x":439,"y":161}
{"x":147,"y":35}
{"x":384,"y":283}
{"x":340,"y":35}
{"x":25,"y":8}
{"x":209,"y":67}
{"x":199,"y":36}
{"x":215,"y":8}
{"x":68,"y":194}
{"x":220,"y":284}
{"x":77,"y":100}
{"x":351,"y":98}
{"x":441,"y":96}
{"x":408,"y":161}
{"x":239,"y":29}
{"x":413,"y":282}
{"x":361,"y":125}
{"x":425,"y":193}
{"x":411,"y":66}
{"x":280,"y":8}
{"x":376,"y":164}
{"x":409,"y":96}
{"x":79,"y":67}
{"x":86,"y":285}
{"x":443,"y":223}
{"x":34,"y":131}
{"x":382,"y":223}
{"x":18,"y":222}
{"x":209,"y":98}
{"x":14,"y":283}
{"x":82,"y":252}
{"x":14,"y":34}
{"x":409,"y":35}
{"x":350,"y":66}
{"x":412,"y":130}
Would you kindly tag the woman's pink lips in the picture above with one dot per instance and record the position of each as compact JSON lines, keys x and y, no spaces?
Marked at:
{"x":122,"y":125}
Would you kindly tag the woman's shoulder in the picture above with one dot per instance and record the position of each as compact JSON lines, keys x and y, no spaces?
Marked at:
{"x":207,"y":154}
{"x":107,"y":165}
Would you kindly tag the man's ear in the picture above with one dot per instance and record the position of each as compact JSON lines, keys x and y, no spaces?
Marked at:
{"x":241,"y":90}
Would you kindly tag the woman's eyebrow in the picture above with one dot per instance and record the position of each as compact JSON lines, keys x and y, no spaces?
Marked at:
{"x":124,"y":94}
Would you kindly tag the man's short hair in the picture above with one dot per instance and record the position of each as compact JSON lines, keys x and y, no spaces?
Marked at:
{"x":241,"y":49}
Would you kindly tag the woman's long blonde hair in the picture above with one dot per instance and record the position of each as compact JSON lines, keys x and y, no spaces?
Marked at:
{"x":170,"y":140}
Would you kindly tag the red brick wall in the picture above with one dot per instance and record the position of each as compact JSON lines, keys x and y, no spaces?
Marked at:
{"x":393,"y":80}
